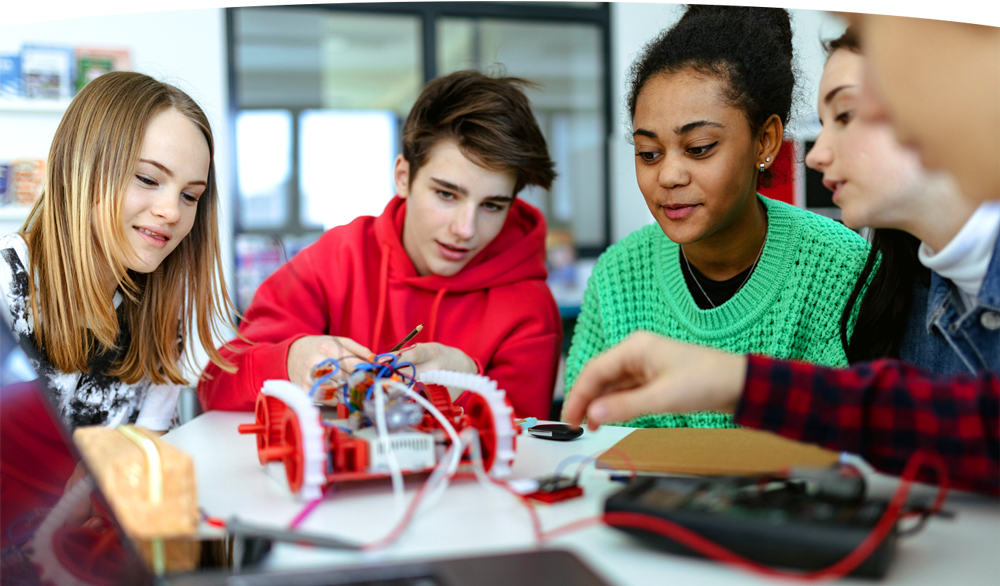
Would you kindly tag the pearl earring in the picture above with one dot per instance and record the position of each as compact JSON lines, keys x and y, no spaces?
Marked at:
{"x":768,"y":159}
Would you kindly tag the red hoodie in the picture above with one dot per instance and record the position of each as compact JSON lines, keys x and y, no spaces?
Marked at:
{"x":357,"y":281}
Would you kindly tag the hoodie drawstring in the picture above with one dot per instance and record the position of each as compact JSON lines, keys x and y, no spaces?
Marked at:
{"x":383,"y":290}
{"x":383,"y":286}
{"x":434,"y":313}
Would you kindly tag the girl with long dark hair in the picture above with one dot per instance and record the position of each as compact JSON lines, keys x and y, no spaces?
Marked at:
{"x":903,"y":308}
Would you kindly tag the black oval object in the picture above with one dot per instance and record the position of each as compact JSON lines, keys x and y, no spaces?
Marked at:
{"x":556,"y":431}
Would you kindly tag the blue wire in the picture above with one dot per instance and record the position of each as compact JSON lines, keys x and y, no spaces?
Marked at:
{"x":570,"y":459}
{"x":331,"y":362}
{"x":340,"y":427}
{"x":403,"y":365}
{"x":384,"y":366}
{"x":411,"y":377}
{"x":321,"y":380}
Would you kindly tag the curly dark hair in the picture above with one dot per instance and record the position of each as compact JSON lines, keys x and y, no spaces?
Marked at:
{"x":749,"y":48}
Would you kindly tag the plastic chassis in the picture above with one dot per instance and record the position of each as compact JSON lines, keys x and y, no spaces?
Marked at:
{"x":289,"y":430}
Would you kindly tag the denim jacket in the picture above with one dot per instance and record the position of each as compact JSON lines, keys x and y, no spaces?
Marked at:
{"x":946,"y":338}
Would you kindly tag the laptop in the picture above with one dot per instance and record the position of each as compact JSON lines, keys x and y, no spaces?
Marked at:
{"x":44,"y":542}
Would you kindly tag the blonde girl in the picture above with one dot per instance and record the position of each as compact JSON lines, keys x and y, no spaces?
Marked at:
{"x":117,"y":270}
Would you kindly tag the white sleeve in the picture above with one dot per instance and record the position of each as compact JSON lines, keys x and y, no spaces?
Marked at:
{"x":15,"y":308}
{"x":159,"y":407}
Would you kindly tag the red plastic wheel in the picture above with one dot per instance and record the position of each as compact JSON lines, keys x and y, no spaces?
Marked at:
{"x":262,"y":419}
{"x":441,"y":399}
{"x":291,"y":443}
{"x":94,"y":556}
{"x":268,"y":418}
{"x":480,"y":416}
{"x":276,"y":413}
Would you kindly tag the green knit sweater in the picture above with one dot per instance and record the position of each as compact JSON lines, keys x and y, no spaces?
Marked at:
{"x":790,"y":307}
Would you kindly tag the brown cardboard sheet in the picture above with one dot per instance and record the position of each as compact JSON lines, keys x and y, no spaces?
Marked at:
{"x":711,"y":451}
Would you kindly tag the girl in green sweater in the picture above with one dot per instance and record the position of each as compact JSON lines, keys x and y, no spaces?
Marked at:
{"x":722,"y":266}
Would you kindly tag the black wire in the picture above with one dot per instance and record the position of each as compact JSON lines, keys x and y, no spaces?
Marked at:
{"x":918,"y":527}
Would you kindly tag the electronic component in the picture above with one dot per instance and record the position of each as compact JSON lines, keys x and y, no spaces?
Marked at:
{"x":773,"y":521}
{"x":549,"y":489}
{"x":400,"y":413}
{"x":414,"y":450}
{"x":326,"y":389}
{"x":556,"y":431}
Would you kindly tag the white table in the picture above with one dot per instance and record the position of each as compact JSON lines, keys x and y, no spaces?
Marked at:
{"x":471,"y":519}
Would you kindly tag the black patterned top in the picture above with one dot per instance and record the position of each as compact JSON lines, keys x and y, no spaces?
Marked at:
{"x":91,"y":398}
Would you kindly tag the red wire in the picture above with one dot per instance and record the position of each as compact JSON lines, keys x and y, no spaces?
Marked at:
{"x":403,"y":523}
{"x":307,"y":510}
{"x":702,"y":545}
{"x":536,"y":522}
{"x":215,"y":522}
{"x":715,"y":551}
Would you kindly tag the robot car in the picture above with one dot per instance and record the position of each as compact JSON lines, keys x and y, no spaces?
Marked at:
{"x":342,"y":430}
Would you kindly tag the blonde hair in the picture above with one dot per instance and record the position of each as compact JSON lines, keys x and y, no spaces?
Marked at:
{"x":76,"y":238}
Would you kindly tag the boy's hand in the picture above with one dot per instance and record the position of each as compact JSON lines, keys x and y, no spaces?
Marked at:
{"x":308,"y":351}
{"x":434,"y":356}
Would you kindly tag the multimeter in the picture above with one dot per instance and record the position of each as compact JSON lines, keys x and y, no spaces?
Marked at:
{"x":776,"y":522}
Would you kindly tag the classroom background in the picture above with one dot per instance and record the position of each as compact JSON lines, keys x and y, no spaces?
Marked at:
{"x":307,"y":102}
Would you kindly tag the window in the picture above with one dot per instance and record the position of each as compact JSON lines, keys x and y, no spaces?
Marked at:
{"x":564,"y":59}
{"x":345,"y":164}
{"x":263,"y":165}
{"x":319,"y":94}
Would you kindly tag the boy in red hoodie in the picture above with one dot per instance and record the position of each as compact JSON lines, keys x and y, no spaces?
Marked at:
{"x":455,"y":250}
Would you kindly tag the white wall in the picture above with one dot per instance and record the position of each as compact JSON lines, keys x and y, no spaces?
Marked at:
{"x":184,"y":48}
{"x":632,"y":26}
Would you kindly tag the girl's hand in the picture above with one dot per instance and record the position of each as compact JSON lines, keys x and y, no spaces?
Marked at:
{"x":650,"y":374}
{"x":434,"y":356}
{"x":306,"y":352}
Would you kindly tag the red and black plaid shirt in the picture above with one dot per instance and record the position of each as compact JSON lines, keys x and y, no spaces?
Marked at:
{"x":884,"y":411}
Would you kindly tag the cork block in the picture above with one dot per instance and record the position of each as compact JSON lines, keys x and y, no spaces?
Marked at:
{"x":120,"y":468}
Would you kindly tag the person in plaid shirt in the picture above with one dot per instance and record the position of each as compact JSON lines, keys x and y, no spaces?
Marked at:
{"x":884,"y":410}
{"x":938,"y":83}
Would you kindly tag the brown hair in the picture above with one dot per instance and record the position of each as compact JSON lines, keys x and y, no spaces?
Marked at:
{"x":76,"y":238}
{"x":489,"y":117}
{"x":849,"y":40}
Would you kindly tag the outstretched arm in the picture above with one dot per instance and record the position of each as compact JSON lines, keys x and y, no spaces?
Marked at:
{"x":650,"y":374}
{"x":884,"y":410}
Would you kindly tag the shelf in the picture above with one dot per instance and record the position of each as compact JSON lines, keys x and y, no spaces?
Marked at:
{"x":33,"y":106}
